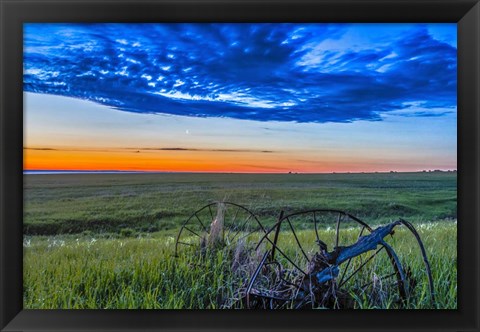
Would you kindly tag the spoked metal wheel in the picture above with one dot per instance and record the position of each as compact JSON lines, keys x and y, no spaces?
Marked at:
{"x":218,"y":225}
{"x":322,"y":258}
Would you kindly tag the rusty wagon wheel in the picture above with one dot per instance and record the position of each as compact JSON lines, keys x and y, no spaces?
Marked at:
{"x":300,"y":269}
{"x":219,"y":225}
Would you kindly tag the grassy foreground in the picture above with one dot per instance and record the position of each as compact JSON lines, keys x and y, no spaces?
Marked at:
{"x":65,"y":272}
{"x":107,"y":240}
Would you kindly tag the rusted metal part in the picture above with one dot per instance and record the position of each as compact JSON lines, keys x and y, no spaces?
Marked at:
{"x":318,"y":278}
{"x":324,"y":266}
{"x":199,"y":225}
{"x":424,"y":256}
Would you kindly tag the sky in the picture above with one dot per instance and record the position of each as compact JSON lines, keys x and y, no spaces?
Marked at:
{"x":240,"y":97}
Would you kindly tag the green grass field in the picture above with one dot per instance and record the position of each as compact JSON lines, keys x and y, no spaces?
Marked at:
{"x":107,"y":240}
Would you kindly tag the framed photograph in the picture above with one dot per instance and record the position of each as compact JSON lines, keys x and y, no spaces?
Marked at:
{"x":224,"y":165}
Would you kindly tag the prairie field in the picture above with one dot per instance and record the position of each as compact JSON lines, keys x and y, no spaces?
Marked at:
{"x":108,"y":240}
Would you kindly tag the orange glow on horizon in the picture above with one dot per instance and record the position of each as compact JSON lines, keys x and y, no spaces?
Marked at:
{"x":164,"y":161}
{"x":193,"y":161}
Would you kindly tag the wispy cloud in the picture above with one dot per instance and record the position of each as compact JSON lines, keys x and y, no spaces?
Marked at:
{"x":136,"y":150}
{"x":264,"y":72}
{"x":40,"y":149}
{"x":205,"y":150}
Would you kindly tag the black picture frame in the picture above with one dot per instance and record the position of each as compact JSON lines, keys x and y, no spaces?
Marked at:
{"x":466,"y":13}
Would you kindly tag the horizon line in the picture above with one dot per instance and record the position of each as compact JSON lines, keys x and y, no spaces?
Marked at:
{"x":31,"y":171}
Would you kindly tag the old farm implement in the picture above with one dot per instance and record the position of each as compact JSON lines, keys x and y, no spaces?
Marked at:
{"x":310,"y":259}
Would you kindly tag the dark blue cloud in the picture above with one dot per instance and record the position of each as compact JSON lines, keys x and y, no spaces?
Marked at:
{"x":283,"y":72}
